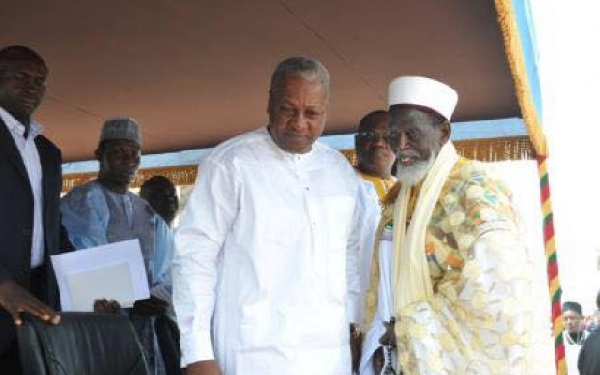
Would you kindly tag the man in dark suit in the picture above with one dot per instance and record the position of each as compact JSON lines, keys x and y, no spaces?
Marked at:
{"x":30,"y":184}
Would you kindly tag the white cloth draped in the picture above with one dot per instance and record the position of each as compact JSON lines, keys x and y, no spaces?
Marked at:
{"x":410,"y":268}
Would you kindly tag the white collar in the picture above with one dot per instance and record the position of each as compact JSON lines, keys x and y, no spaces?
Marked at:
{"x":293,"y":157}
{"x":17,"y":128}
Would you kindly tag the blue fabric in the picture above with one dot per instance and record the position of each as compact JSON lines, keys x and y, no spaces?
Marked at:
{"x":530,"y":53}
{"x":85,"y":215}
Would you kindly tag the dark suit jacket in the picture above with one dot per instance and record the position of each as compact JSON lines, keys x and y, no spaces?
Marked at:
{"x":16,"y":220}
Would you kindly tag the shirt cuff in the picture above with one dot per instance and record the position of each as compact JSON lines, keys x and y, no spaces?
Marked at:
{"x":196,"y":348}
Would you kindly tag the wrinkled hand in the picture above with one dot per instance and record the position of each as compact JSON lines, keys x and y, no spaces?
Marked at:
{"x":389,"y":337}
{"x":355,"y":346}
{"x":203,"y":368}
{"x":16,"y":300}
{"x":151,"y":306}
{"x":107,"y":306}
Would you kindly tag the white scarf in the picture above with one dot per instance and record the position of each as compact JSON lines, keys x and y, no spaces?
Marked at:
{"x":411,"y":281}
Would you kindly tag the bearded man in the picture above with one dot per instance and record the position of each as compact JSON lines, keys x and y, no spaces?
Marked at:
{"x":460,"y":271}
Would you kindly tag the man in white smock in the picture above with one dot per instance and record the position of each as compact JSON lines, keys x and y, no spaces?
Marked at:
{"x":375,"y":162}
{"x":266,"y":276}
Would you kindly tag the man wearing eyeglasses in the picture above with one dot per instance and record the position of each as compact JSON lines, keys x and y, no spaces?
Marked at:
{"x":460,"y":280}
{"x":375,"y":158}
{"x":375,"y":162}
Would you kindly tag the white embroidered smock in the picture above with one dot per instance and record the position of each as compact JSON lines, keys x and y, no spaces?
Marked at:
{"x":267,"y":248}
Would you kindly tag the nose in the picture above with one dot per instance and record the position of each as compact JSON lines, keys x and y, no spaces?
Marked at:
{"x":298,"y":122}
{"x":402,"y":141}
{"x":381,"y":140}
{"x":132,"y":160}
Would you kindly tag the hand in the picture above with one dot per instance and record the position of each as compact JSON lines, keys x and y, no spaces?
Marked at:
{"x":203,"y":368}
{"x":389,"y":337}
{"x":107,"y":306}
{"x":151,"y":306}
{"x":355,"y":346}
{"x":16,"y":300}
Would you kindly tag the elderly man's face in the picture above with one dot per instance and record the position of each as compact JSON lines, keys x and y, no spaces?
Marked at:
{"x":373,"y":148}
{"x":119,"y":161}
{"x":297,"y":111}
{"x":22,"y":87}
{"x":416,"y":138}
{"x":573,"y":321}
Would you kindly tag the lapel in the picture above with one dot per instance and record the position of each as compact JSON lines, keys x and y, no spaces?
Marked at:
{"x":9,"y":148}
{"x":46,"y":165}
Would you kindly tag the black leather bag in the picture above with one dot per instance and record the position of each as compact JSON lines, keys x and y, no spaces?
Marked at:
{"x":81,"y":344}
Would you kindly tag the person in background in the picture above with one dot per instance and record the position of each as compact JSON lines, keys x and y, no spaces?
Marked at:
{"x":103,"y":211}
{"x":375,"y":158}
{"x":30,"y":186}
{"x":461,"y":274}
{"x":574,"y":333}
{"x":375,"y":161}
{"x":588,"y":362}
{"x":160,"y":192}
{"x":594,"y":321}
{"x":266,"y":278}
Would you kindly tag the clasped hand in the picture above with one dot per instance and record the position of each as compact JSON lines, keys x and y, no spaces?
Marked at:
{"x":146,"y":307}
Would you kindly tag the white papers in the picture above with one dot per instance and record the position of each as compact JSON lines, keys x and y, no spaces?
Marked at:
{"x":114,"y":271}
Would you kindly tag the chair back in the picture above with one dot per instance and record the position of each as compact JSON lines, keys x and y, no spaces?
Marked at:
{"x":81,"y":344}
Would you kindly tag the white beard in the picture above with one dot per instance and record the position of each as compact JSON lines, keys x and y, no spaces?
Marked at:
{"x":413,"y":174}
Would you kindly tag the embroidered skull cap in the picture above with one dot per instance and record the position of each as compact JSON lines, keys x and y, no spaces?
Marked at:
{"x":121,"y":128}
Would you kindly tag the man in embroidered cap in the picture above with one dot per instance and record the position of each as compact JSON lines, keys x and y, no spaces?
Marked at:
{"x":460,"y":275}
{"x":104,"y":211}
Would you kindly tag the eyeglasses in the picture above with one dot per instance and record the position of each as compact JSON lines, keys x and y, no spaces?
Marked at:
{"x":572,"y":318}
{"x":374,"y":136}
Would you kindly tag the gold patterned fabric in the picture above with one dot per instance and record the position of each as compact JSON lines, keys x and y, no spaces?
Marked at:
{"x":479,"y":317}
{"x":382,"y":185}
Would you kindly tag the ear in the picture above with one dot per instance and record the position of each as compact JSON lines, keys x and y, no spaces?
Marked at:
{"x":270,"y":103}
{"x":445,"y":131}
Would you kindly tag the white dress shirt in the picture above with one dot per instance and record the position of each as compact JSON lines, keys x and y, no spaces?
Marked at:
{"x":267,"y":248}
{"x":31,"y":159}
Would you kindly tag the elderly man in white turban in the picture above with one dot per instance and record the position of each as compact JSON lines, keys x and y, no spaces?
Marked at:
{"x":460,"y":272}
